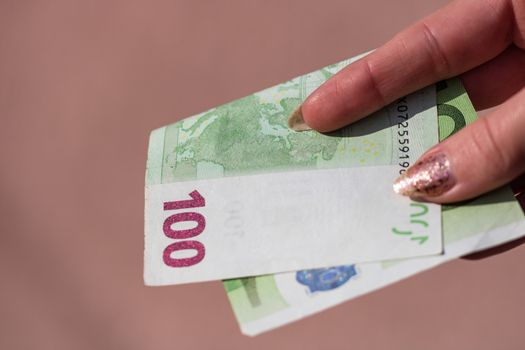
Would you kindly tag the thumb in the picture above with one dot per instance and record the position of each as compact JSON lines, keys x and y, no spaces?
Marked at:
{"x":483,"y":156}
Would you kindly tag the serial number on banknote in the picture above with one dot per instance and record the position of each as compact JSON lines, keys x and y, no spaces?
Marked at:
{"x":403,"y":141}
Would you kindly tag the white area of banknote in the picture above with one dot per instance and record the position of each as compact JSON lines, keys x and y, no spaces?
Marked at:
{"x":288,"y":221}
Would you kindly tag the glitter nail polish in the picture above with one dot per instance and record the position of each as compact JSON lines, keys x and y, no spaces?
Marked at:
{"x":430,"y":176}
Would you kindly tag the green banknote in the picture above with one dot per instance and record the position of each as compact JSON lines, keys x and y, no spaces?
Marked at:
{"x":251,"y":136}
{"x":234,"y":192}
{"x":266,"y":302}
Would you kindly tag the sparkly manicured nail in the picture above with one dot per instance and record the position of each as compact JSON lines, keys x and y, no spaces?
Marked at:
{"x":296,"y":121}
{"x":429,"y":177}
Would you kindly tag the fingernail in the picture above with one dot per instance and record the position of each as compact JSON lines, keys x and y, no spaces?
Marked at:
{"x":296,"y":121}
{"x":429,"y":177}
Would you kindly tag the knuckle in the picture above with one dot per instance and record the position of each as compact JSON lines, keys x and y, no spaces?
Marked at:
{"x":435,"y":52}
{"x":338,"y":90}
{"x":374,"y":82}
{"x":488,"y":149}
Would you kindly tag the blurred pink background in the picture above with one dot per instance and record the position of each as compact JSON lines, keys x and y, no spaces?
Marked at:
{"x":82,"y":83}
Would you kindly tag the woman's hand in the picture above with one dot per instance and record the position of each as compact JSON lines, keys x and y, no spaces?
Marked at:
{"x":482,"y":41}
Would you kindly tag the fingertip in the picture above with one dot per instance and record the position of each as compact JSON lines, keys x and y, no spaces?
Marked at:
{"x":296,"y":121}
{"x":321,"y":110}
{"x":312,"y":112}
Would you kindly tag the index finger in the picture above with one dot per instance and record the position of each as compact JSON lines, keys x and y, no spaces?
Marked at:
{"x":453,"y":40}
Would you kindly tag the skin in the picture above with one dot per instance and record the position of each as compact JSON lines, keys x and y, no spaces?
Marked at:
{"x":483,"y":42}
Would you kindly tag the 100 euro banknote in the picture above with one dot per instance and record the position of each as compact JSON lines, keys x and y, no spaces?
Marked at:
{"x":233,"y":192}
{"x":266,"y":302}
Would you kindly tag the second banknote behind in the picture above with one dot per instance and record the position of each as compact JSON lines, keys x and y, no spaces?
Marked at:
{"x":263,"y":303}
{"x":234,"y":192}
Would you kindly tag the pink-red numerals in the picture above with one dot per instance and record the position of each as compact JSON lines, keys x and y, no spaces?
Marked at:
{"x":170,"y":231}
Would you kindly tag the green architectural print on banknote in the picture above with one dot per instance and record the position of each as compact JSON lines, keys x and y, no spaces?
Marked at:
{"x":265,"y":302}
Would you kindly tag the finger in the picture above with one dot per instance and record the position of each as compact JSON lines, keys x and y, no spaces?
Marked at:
{"x":455,"y":39}
{"x":483,"y":156}
{"x":495,"y":81}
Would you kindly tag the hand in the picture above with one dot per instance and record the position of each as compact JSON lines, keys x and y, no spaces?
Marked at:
{"x":482,"y":41}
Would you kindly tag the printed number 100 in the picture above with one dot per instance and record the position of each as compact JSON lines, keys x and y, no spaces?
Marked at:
{"x":196,"y":201}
